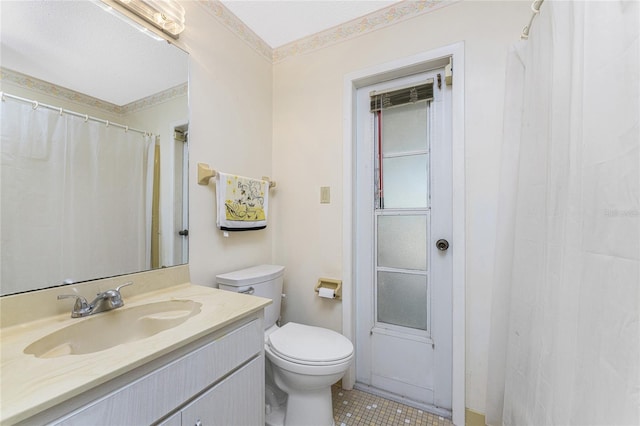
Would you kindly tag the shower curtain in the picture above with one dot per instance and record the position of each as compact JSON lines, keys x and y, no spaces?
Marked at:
{"x":73,"y":199}
{"x":565,"y":333}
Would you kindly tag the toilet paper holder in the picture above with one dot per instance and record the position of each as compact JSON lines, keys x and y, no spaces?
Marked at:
{"x":331,"y":284}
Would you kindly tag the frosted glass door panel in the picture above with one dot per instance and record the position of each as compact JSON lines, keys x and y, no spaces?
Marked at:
{"x":404,"y":128}
{"x":401,"y":242}
{"x":402,"y":299}
{"x":405,"y":182}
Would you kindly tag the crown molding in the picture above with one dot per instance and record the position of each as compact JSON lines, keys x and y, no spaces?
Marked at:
{"x":59,"y":92}
{"x":382,"y":18}
{"x":236,"y":26}
{"x":158,"y":98}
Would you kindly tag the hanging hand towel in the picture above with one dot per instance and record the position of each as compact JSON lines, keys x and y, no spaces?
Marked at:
{"x":242,"y":202}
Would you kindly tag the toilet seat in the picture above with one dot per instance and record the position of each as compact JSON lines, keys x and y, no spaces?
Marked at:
{"x":308,"y":345}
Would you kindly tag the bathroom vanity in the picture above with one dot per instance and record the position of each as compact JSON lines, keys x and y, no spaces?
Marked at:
{"x":207,"y":369}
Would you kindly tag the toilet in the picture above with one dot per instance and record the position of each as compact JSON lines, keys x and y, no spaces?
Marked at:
{"x":302,"y":361}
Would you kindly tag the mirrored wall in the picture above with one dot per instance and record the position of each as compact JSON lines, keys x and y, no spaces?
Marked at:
{"x":94,"y":134}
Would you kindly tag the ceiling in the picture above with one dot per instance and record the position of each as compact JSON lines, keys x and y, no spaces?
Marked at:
{"x":73,"y":44}
{"x":279,"y":22}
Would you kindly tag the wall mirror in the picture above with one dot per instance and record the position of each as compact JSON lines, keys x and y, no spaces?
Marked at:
{"x":94,"y":133}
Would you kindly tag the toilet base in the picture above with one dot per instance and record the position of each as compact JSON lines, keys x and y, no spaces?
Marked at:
{"x":275,"y":416}
{"x":308,"y":409}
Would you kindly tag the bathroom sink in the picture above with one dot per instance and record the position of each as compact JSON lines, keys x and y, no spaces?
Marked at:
{"x":112,"y":328}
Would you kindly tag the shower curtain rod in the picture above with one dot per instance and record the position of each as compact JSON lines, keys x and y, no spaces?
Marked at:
{"x":535,"y":8}
{"x":61,"y":111}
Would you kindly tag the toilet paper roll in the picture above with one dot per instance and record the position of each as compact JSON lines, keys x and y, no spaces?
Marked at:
{"x":326,"y":292}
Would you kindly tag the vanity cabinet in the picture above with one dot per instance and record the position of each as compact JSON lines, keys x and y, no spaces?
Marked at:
{"x":217,"y":380}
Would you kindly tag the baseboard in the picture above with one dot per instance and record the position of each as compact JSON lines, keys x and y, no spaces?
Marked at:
{"x":472,"y":418}
{"x":393,"y":397}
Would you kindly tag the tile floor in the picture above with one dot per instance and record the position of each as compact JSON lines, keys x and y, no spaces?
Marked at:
{"x":357,"y":408}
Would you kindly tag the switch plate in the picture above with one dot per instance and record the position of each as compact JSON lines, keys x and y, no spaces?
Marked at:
{"x":325,"y":195}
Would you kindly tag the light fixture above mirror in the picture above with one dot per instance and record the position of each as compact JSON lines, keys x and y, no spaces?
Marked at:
{"x":166,"y":15}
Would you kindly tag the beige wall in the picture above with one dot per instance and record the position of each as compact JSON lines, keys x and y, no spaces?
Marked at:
{"x":230,"y":128}
{"x":285,"y":120}
{"x":156,"y":119}
{"x":307,"y":154}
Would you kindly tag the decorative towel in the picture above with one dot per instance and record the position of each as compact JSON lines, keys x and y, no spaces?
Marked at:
{"x":242,"y":202}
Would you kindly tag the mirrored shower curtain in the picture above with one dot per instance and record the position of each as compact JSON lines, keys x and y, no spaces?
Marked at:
{"x":73,"y":198}
{"x":565,"y":329}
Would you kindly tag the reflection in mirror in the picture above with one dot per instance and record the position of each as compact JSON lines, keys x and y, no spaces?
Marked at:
{"x":94,"y":132}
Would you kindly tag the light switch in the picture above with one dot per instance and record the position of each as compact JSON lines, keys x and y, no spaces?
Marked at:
{"x":325,"y":195}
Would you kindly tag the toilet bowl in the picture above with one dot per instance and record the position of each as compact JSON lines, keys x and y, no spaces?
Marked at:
{"x":306,"y":361}
{"x":302,"y":361}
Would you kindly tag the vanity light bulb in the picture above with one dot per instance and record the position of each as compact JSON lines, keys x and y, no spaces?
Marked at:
{"x":160,"y":19}
{"x":171,"y":14}
{"x":165,"y":14}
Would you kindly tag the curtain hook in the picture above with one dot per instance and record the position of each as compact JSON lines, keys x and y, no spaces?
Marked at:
{"x":126,"y":129}
{"x":86,"y":118}
{"x":533,"y":8}
{"x":35,"y":105}
{"x":107,"y":123}
{"x":60,"y":111}
{"x":2,"y":98}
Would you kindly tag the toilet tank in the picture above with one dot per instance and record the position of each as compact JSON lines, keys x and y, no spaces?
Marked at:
{"x":263,"y":281}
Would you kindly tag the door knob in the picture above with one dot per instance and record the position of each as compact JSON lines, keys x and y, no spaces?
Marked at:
{"x":184,"y":232}
{"x":442,"y":244}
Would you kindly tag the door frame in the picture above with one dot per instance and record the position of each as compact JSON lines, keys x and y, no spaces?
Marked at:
{"x":168,"y":162}
{"x":387,"y":71}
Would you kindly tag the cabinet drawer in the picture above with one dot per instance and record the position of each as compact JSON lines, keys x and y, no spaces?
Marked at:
{"x":152,"y":396}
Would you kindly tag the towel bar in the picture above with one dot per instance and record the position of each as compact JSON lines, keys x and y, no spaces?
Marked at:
{"x":205,"y":173}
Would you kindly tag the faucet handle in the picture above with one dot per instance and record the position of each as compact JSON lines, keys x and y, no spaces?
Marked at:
{"x":123,"y":285}
{"x":114,"y":297}
{"x":79,"y":307}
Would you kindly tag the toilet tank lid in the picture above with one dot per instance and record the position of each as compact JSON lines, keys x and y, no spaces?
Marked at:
{"x":253,"y":275}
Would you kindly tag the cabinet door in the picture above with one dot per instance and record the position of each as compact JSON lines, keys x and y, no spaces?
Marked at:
{"x":238,"y":400}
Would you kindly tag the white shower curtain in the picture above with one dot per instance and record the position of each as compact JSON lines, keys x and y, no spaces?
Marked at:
{"x":565,"y":331}
{"x":73,"y":199}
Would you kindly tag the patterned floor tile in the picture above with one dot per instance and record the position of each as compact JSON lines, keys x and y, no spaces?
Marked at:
{"x":357,"y":408}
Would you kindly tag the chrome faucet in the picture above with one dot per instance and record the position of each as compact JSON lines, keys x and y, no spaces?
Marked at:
{"x":105,"y":301}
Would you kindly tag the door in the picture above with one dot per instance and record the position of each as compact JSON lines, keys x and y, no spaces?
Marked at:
{"x":403,"y":227}
{"x":181,"y":193}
